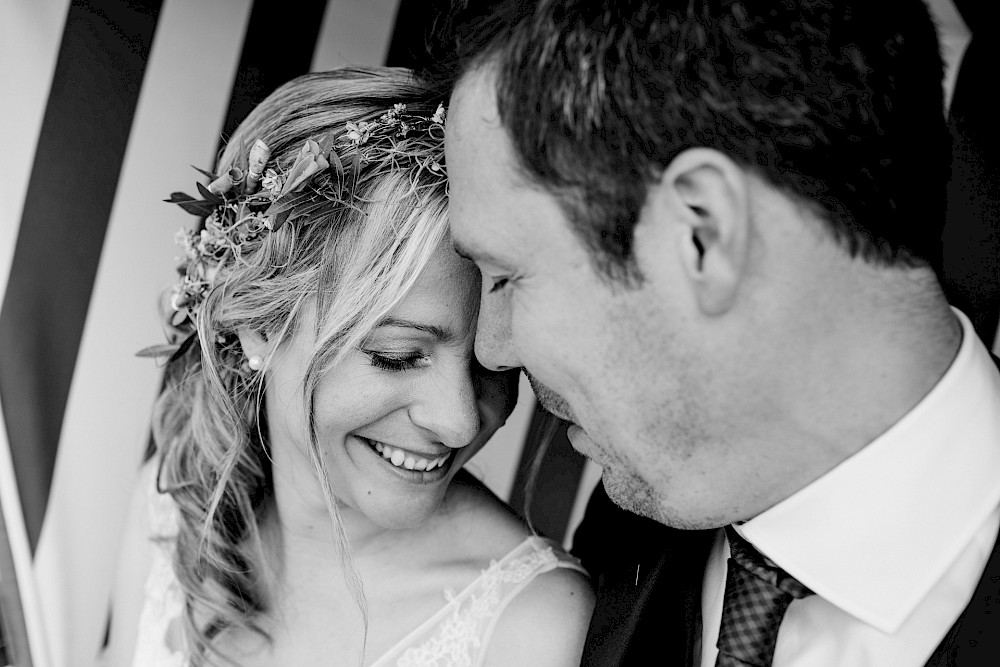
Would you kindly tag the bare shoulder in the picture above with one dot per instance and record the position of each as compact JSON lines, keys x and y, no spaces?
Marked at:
{"x":546,"y":623}
{"x":480,"y":523}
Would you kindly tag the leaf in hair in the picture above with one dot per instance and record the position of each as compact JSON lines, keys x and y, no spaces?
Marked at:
{"x":286,"y":203}
{"x":198,"y":207}
{"x":278,"y":220}
{"x":184,"y":346}
{"x":208,"y":194}
{"x":209,"y":175}
{"x":154,"y":351}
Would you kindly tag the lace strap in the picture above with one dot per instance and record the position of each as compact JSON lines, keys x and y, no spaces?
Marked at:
{"x":459,"y":634}
{"x":550,"y":557}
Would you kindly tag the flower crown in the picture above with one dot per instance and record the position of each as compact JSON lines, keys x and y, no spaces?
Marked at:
{"x":241,"y":206}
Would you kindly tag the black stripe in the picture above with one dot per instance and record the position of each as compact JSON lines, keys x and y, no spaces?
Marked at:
{"x":95,"y":87}
{"x":971,"y":237}
{"x":411,"y":30}
{"x":278,"y":46}
{"x":559,"y":472}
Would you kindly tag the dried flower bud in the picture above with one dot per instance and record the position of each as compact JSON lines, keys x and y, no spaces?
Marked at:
{"x":221,"y":185}
{"x":258,"y":157}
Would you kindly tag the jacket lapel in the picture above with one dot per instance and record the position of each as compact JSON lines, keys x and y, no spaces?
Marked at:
{"x":648,"y":579}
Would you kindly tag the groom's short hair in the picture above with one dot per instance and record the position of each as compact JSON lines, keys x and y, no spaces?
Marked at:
{"x":837,"y":103}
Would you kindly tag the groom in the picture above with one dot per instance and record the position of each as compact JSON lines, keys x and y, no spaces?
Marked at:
{"x":708,"y":231}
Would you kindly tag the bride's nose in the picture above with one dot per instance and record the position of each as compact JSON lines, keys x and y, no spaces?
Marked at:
{"x":445,"y":405}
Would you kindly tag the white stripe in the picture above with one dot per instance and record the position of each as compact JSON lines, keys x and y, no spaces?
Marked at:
{"x":354,"y":32}
{"x":29,"y":42}
{"x":591,"y":475}
{"x":17,"y":537}
{"x":30,"y":34}
{"x":182,"y":105}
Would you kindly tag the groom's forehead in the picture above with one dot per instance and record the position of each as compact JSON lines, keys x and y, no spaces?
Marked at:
{"x":482,"y":162}
{"x":473,"y":112}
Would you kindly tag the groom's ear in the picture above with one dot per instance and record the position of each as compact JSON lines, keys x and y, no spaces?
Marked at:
{"x":699,"y":214}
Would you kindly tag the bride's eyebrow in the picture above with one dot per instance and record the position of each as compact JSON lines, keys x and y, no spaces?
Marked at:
{"x":441,"y":334}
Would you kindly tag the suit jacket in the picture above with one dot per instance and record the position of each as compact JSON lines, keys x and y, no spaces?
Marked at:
{"x":649,"y":580}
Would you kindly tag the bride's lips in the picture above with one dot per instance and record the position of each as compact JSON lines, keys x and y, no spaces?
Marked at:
{"x":410,"y":465}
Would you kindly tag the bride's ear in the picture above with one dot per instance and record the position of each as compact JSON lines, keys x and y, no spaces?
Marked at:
{"x":253,"y":343}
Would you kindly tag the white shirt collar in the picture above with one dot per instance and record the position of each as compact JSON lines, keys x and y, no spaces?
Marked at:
{"x":873,"y":535}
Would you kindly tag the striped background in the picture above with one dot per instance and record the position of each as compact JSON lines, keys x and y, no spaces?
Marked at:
{"x":105,"y":106}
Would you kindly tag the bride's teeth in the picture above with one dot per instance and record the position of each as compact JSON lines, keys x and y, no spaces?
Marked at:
{"x":436,"y":462}
{"x":401,"y":459}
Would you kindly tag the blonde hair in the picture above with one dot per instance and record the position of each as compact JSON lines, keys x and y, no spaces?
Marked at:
{"x":352,"y":264}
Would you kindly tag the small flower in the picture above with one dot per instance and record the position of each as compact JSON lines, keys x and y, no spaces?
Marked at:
{"x":359,"y":133}
{"x":435,"y":166}
{"x":272,"y":182}
{"x":399,"y":108}
{"x":183,"y":239}
{"x":438,"y":116}
{"x":204,"y":240}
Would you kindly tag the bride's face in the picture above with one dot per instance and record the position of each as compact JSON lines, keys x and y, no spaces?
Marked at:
{"x":395,"y":417}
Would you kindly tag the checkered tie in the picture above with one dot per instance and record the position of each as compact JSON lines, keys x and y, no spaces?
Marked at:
{"x":758,"y":593}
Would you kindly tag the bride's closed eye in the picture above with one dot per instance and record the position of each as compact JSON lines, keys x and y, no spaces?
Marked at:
{"x":395,"y":362}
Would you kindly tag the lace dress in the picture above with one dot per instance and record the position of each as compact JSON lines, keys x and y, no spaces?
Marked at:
{"x":457,"y":635}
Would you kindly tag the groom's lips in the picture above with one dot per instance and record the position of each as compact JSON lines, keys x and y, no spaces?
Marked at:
{"x":578,"y":438}
{"x":550,"y":401}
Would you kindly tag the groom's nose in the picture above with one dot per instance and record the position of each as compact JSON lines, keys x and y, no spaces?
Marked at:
{"x":494,"y":343}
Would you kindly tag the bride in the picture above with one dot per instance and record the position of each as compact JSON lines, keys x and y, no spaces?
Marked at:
{"x":306,"y":503}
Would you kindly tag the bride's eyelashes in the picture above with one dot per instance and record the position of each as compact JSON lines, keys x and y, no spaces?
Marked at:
{"x":395,"y":362}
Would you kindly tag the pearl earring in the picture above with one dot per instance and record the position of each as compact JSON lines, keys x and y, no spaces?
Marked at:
{"x":255,"y":363}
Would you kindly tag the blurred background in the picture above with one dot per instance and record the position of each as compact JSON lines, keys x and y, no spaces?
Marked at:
{"x":105,"y":107}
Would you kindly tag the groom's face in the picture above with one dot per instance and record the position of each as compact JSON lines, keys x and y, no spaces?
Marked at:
{"x":600,"y":355}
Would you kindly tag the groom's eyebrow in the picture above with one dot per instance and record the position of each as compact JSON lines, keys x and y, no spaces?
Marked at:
{"x":462,"y":251}
{"x":473,"y":255}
